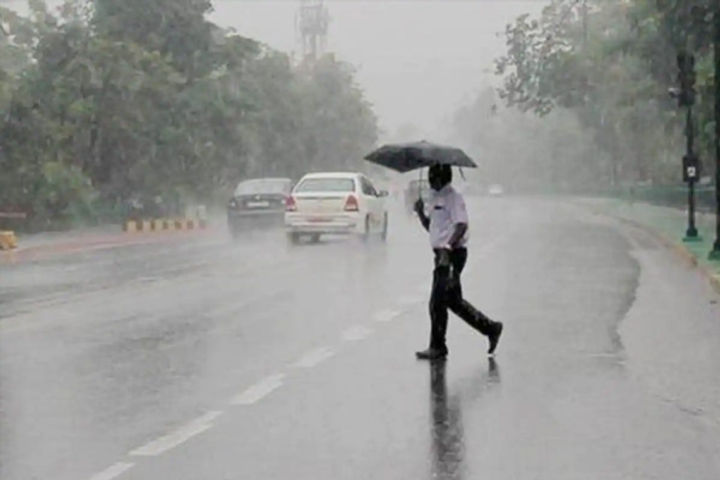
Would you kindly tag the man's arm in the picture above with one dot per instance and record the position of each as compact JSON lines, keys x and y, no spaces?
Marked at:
{"x":459,"y":216}
{"x":420,"y":210}
{"x":458,"y":234}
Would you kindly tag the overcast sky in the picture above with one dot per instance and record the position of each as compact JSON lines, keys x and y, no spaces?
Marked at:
{"x":417,"y":60}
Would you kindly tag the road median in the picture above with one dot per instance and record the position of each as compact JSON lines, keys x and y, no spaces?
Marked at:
{"x":37,"y":247}
{"x":164,"y":225}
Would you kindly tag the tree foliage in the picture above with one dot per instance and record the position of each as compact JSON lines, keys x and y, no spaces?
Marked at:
{"x":611,"y":63}
{"x":144,"y":99}
{"x":529,"y":154}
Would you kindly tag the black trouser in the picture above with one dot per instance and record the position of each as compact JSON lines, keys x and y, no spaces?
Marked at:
{"x":447,"y":294}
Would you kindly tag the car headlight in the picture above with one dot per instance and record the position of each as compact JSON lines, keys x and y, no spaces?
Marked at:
{"x":233,"y":203}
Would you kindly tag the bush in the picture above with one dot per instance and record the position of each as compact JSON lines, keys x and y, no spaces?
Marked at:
{"x":64,"y":198}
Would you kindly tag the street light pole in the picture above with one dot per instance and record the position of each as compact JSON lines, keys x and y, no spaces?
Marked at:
{"x":691,"y":234}
{"x":715,"y":253}
{"x":691,"y":163}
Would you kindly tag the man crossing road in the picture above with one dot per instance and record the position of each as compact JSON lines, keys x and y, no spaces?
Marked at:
{"x":447,"y":224}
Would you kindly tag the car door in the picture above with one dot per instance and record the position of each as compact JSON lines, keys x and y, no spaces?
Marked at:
{"x":373,"y":202}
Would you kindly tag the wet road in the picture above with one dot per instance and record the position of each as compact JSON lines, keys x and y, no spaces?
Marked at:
{"x":213,"y":359}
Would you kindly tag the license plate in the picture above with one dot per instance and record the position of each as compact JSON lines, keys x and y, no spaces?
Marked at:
{"x":318,"y":219}
{"x":257,"y":204}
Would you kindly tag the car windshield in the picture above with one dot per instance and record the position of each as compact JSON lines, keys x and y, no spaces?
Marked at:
{"x":326,"y":185}
{"x":262,"y":186}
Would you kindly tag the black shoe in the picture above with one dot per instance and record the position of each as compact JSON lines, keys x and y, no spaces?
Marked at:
{"x":494,"y":336}
{"x":431,"y":354}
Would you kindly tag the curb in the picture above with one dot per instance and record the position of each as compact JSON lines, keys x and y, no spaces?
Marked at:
{"x":164,"y":225}
{"x":679,"y":249}
{"x":81,"y":245}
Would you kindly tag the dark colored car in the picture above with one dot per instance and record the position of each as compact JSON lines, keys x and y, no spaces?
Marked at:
{"x":416,"y":189}
{"x":258,"y":202}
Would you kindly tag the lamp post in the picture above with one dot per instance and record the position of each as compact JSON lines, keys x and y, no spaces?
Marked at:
{"x":691,"y":164}
{"x":691,"y":173}
{"x":715,"y":253}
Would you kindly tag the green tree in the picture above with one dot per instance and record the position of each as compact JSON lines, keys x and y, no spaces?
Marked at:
{"x":177,"y":29}
{"x":614,"y":74}
{"x":109,"y":101}
{"x":342,"y":125}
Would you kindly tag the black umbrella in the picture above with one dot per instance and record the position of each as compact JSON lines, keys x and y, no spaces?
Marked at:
{"x":404,"y":157}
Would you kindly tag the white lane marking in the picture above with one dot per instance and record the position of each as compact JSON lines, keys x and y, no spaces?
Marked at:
{"x":356,"y":333}
{"x":314,"y":357}
{"x":178,"y":436}
{"x":386,"y":315}
{"x":113,"y":471}
{"x":259,"y":390}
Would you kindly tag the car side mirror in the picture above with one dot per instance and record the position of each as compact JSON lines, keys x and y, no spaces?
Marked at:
{"x":382,"y":193}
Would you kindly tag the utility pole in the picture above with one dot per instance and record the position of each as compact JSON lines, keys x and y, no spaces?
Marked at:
{"x":691,"y":163}
{"x":691,"y":168}
{"x":715,"y":253}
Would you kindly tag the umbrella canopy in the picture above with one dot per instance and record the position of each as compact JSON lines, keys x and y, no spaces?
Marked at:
{"x":404,"y":157}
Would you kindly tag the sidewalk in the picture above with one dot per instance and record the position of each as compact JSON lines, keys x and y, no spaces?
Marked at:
{"x":670,"y":224}
{"x":86,"y":234}
{"x":42,"y":245}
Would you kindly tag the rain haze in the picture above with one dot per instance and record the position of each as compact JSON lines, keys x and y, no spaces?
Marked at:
{"x":327,"y":239}
{"x":417,"y":61}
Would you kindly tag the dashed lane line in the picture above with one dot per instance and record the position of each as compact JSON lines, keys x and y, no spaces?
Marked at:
{"x":113,"y":471}
{"x":249,"y":396}
{"x":314,"y":357}
{"x":356,"y":333}
{"x":258,"y":391}
{"x":177,"y":437}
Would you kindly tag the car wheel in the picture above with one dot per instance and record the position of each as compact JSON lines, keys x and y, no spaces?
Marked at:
{"x":383,"y":234}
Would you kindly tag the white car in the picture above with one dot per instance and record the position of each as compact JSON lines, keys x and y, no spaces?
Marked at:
{"x":335,"y":203}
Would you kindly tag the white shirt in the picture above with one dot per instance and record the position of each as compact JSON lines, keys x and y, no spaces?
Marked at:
{"x":447,"y":209}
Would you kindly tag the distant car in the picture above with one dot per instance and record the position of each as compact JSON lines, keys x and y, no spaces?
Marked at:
{"x":495,"y":190}
{"x":415,"y":189}
{"x":335,"y":203}
{"x":256,"y":202}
